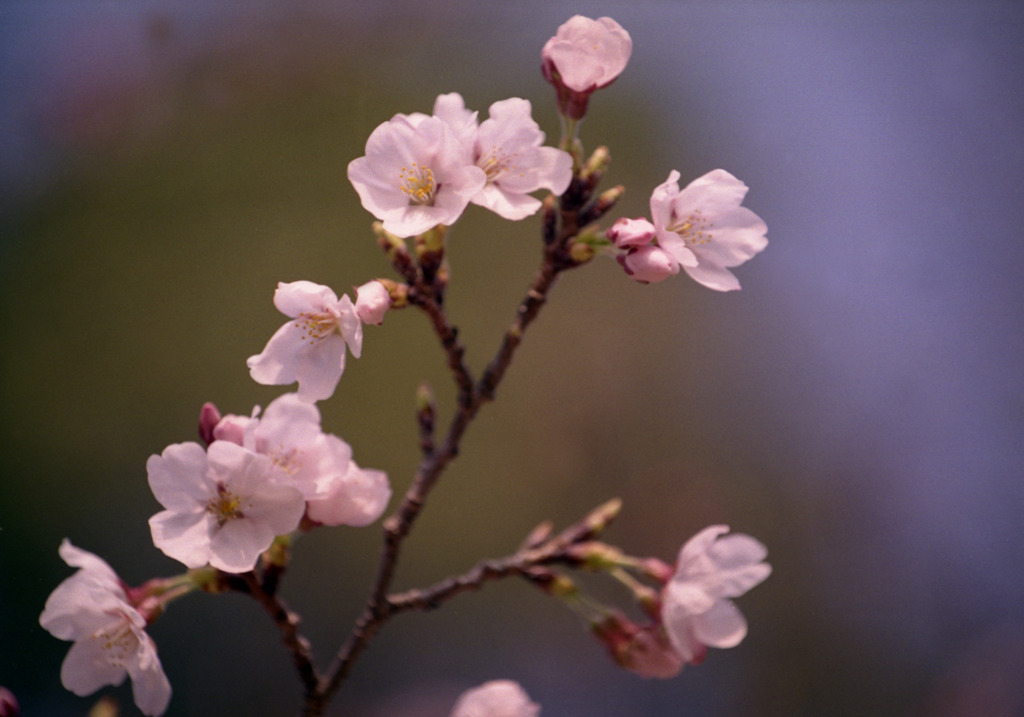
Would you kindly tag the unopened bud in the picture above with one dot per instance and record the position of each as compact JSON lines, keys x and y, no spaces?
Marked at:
{"x":209,"y":417}
{"x":596,"y":165}
{"x":595,"y":555}
{"x":604,"y":203}
{"x":388,"y":241}
{"x":372,"y":301}
{"x":538,"y":535}
{"x":581,"y":252}
{"x":105,"y":707}
{"x":601,"y":516}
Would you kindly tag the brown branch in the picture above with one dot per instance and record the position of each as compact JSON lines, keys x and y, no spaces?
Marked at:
{"x":560,"y":226}
{"x":288,"y":624}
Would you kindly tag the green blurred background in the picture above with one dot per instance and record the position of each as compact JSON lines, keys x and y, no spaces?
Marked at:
{"x":858,"y":406}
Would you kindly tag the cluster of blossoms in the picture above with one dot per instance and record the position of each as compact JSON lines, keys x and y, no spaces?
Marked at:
{"x":691,"y":611}
{"x":257,"y":480}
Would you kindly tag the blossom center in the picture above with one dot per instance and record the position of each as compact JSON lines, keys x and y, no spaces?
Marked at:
{"x":225,"y":506}
{"x":316,"y":326}
{"x":495,"y":162}
{"x":694,"y":229}
{"x":118,"y":641}
{"x":418,"y":184}
{"x":289,"y":460}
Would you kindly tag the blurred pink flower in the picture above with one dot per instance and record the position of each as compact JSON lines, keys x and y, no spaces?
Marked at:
{"x":696,"y":610}
{"x":499,"y":698}
{"x":318,"y":464}
{"x":110,"y":641}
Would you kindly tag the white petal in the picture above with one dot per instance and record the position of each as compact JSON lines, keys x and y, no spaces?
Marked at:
{"x":357,"y":499}
{"x":150,"y":687}
{"x":178,"y":477}
{"x":236,"y":546}
{"x":299,"y":297}
{"x":86,"y":668}
{"x":91,"y":563}
{"x":721,"y":626}
{"x":277,"y":364}
{"x":183,"y":536}
{"x":713,"y":277}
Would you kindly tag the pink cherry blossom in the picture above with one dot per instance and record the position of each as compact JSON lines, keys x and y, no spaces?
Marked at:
{"x":310,"y":348}
{"x":507,"y":147}
{"x":110,"y":641}
{"x":499,"y":698}
{"x":356,"y":497}
{"x":415,"y":175}
{"x":583,"y":56}
{"x":223,"y":506}
{"x":318,"y":464}
{"x":696,"y":610}
{"x":704,"y":227}
{"x":372,"y":302}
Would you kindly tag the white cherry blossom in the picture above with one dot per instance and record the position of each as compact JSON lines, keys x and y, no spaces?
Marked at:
{"x":415,"y":175}
{"x":110,"y":641}
{"x":309,"y":348}
{"x":696,"y":610}
{"x":704,"y":227}
{"x":498,"y":698}
{"x":223,"y":506}
{"x":507,"y":147}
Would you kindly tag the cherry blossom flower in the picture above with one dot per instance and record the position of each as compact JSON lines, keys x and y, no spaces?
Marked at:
{"x":415,"y":175}
{"x":696,"y":610}
{"x":507,"y":147}
{"x":318,"y":464}
{"x":499,"y":698}
{"x":310,"y":348}
{"x":704,"y":227}
{"x":372,"y":301}
{"x":110,"y":641}
{"x":223,"y":506}
{"x":356,"y":497}
{"x":583,"y":56}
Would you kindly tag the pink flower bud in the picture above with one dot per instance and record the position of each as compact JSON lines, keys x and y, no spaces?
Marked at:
{"x":642,"y":649}
{"x":209,"y":417}
{"x":649,"y":264}
{"x":583,"y":56}
{"x":372,"y":302}
{"x":630,"y":233}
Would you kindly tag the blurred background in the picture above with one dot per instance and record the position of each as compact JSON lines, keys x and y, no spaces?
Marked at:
{"x":858,"y":406}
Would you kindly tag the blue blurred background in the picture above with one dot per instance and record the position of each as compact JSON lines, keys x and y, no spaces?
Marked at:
{"x":858,"y":406}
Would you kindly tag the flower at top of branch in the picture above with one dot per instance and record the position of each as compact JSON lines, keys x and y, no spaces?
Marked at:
{"x":310,"y":348}
{"x":507,"y":147}
{"x":696,"y":610}
{"x":701,"y":228}
{"x":583,"y":56}
{"x":415,"y":175}
{"x":110,"y":641}
{"x":498,"y":698}
{"x":318,"y":464}
{"x":223,"y":506}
